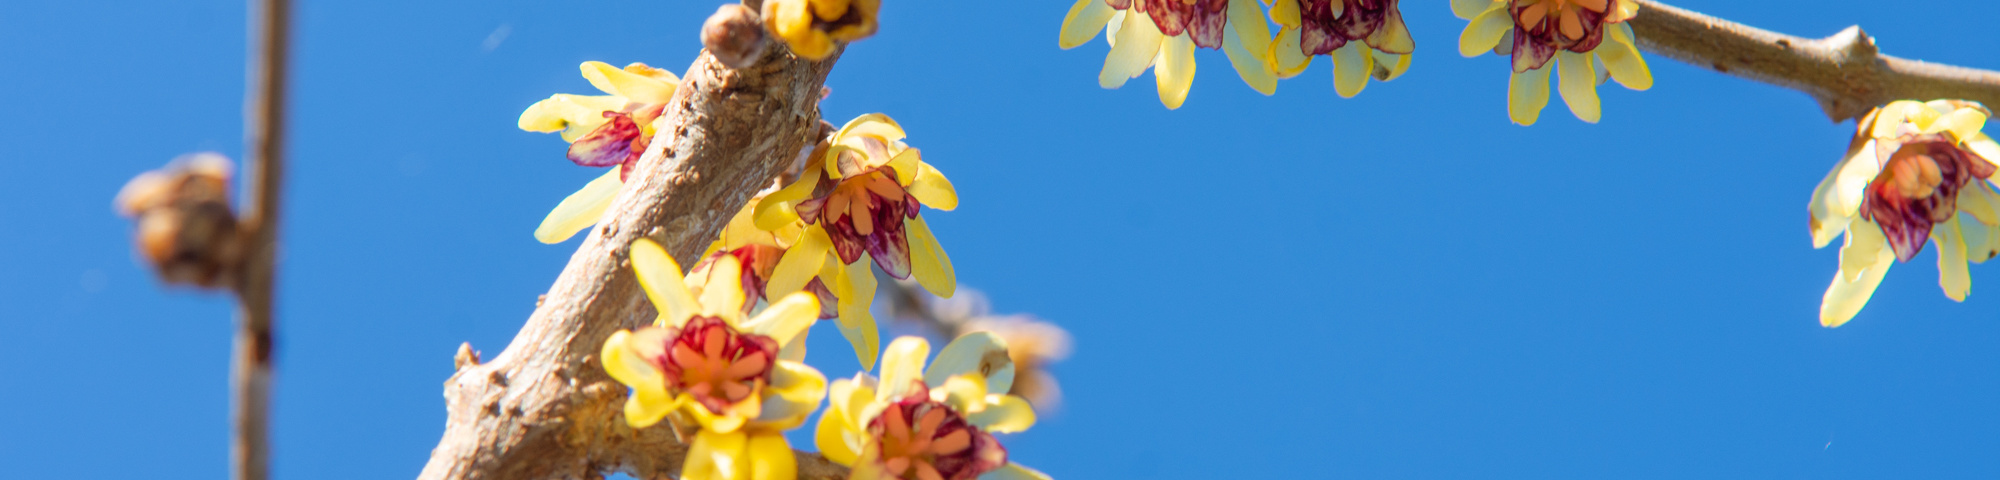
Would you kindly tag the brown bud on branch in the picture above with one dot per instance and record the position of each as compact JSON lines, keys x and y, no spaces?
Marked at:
{"x":186,"y":228}
{"x":735,"y":35}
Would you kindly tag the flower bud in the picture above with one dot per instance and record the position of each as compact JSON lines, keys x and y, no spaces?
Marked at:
{"x":185,"y":226}
{"x":734,"y":35}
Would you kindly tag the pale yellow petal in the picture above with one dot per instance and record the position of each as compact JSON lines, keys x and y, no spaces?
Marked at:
{"x":928,"y":261}
{"x":775,"y":210}
{"x":1952,"y":273}
{"x":663,"y":281}
{"x":1851,"y":184}
{"x":1864,"y":242}
{"x":831,"y":437}
{"x":800,"y":263}
{"x":1351,"y":67}
{"x":718,"y":456}
{"x":1527,"y":93}
{"x":1287,"y":60}
{"x":721,"y":294}
{"x":1979,"y":241}
{"x":771,"y":457}
{"x":1084,"y":20}
{"x":1976,"y":199}
{"x":1470,"y":9}
{"x":1175,"y":71}
{"x":1962,"y":123}
{"x":902,"y":367}
{"x":1138,"y":42}
{"x":1621,"y":58}
{"x":633,"y":86}
{"x":579,"y":210}
{"x":856,"y":322}
{"x":976,"y":353}
{"x":574,"y":115}
{"x":1893,"y":117}
{"x":1984,"y":146}
{"x":1286,"y":13}
{"x":1014,"y":471}
{"x":932,"y":189}
{"x":785,"y":318}
{"x":1579,"y":85}
{"x":1004,"y":414}
{"x":965,"y":393}
{"x":1484,"y":32}
{"x":1847,"y":295}
{"x":1251,"y":28}
{"x":1388,"y":66}
{"x":1251,"y":67}
{"x":645,"y":408}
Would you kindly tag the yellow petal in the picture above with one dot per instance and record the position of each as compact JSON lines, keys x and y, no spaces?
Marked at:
{"x":1004,"y":414}
{"x":661,"y":277}
{"x":1979,"y":241}
{"x":1175,"y":71}
{"x":1484,"y":32}
{"x":1984,"y":146}
{"x":579,"y":210}
{"x":831,"y":436}
{"x":1251,"y":29}
{"x":1952,"y":273}
{"x":1976,"y":199}
{"x":932,"y":189}
{"x":965,"y":393}
{"x":1286,"y":13}
{"x":717,"y":456}
{"x":1527,"y":93}
{"x":771,"y":457}
{"x":1891,"y":119}
{"x":1388,"y":66}
{"x":785,"y":318}
{"x":633,"y":86}
{"x":1470,"y":9}
{"x":977,"y":353}
{"x":1851,"y":184}
{"x":902,"y":367}
{"x":574,"y":115}
{"x":856,"y":322}
{"x":1287,"y":60}
{"x":644,"y":408}
{"x":775,"y":210}
{"x":928,"y":261}
{"x":1962,"y":123}
{"x":1252,"y":68}
{"x":1138,"y":42}
{"x":1579,"y":85}
{"x":1084,"y":20}
{"x":723,"y":296}
{"x":1621,"y":59}
{"x":800,"y":263}
{"x":1847,"y":295}
{"x":1351,"y":66}
{"x":1864,"y":242}
{"x":1014,"y":471}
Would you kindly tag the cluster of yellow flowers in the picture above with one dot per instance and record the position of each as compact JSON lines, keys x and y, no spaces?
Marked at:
{"x":1364,"y":38}
{"x":725,"y":355}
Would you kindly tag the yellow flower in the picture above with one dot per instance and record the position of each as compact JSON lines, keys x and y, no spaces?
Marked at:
{"x":759,"y":250}
{"x":740,"y":380}
{"x":1163,"y":34}
{"x":1910,"y":171}
{"x":603,"y":130}
{"x":928,"y":423}
{"x":860,"y":201}
{"x":1587,"y":40}
{"x":1364,"y":38}
{"x":811,"y":26}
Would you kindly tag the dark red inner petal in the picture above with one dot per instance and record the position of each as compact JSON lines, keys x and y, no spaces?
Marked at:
{"x":699,"y":358}
{"x":1209,"y":22}
{"x":610,"y":144}
{"x":1170,"y":15}
{"x":1907,"y":220}
{"x":980,"y":453}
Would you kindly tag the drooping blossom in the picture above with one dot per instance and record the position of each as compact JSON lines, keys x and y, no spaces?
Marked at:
{"x":1163,"y":35}
{"x":1911,"y":171}
{"x":1363,"y":38}
{"x":603,"y":130}
{"x":933,"y":423}
{"x":1583,"y":41}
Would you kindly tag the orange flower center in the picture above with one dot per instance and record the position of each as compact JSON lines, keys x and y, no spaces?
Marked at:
{"x":924,"y":440}
{"x":718,"y":365}
{"x":850,"y":197}
{"x":1912,"y":175}
{"x":1565,"y":12}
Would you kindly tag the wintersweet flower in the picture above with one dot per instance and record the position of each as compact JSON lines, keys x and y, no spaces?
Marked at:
{"x":1364,"y":38}
{"x":1163,"y":34}
{"x":860,"y":202}
{"x":928,"y":423}
{"x":739,"y":380}
{"x":811,"y":27}
{"x":603,"y":130}
{"x":1586,"y":40}
{"x":1910,"y":171}
{"x":758,"y":251}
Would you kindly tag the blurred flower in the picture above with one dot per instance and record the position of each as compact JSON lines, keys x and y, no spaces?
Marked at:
{"x":1571,"y":33}
{"x":1911,"y":169}
{"x":741,"y":381}
{"x":928,"y":423}
{"x":1364,"y":38}
{"x":1163,"y":34}
{"x":1033,"y":345}
{"x":860,"y":201}
{"x":186,"y":228}
{"x":811,"y":27}
{"x":603,"y":130}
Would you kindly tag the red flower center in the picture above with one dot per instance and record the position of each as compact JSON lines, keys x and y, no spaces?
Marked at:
{"x":1918,"y":188}
{"x":920,"y":439}
{"x":716,"y":364}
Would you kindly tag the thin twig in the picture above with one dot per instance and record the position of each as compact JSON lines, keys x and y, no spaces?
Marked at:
{"x":263,"y":132}
{"x":1844,"y":72}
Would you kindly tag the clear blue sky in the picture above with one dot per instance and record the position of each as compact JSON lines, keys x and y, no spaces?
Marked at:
{"x":1399,"y":285}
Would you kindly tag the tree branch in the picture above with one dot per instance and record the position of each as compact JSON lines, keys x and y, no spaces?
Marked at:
{"x":545,"y":408}
{"x":1844,"y":72}
{"x":264,"y":134}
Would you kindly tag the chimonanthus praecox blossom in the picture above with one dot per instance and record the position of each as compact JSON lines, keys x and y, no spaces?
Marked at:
{"x":860,"y":201}
{"x":603,"y":130}
{"x":1586,"y":40}
{"x":1910,"y":172}
{"x":759,"y":250}
{"x":703,"y":363}
{"x":1163,"y":34}
{"x":929,"y":423}
{"x":1364,"y":38}
{"x":811,"y":27}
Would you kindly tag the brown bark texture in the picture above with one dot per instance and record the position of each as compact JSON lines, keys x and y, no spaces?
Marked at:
{"x":544,"y":408}
{"x":264,"y":139}
{"x":1845,"y":73}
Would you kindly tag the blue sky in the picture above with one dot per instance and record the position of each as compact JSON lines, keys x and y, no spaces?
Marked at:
{"x":1398,"y":285}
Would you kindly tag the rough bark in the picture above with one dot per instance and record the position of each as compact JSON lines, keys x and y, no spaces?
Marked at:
{"x":1845,"y":72}
{"x":544,"y":408}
